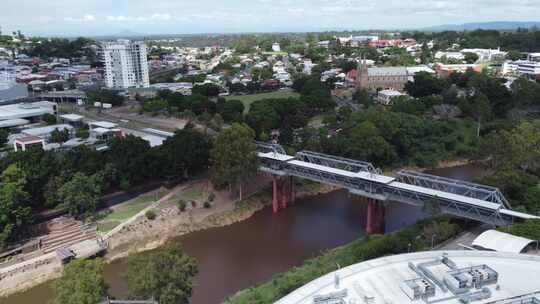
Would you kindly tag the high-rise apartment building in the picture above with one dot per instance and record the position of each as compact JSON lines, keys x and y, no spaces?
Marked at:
{"x":126,"y":65}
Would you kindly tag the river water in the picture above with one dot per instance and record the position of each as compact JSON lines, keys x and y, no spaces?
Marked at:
{"x":238,"y":256}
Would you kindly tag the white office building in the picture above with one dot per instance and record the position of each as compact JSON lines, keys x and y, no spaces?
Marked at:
{"x":126,"y":65}
{"x":530,"y":68}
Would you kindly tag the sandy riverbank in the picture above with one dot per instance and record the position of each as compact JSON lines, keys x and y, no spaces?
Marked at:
{"x":144,"y":235}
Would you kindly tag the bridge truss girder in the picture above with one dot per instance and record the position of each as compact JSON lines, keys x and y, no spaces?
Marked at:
{"x":337,"y":162}
{"x":485,"y":215}
{"x":473,"y":190}
{"x":383,"y":192}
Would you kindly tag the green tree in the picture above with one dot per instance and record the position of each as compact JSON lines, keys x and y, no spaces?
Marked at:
{"x":106,"y":96}
{"x":80,"y":195}
{"x":165,"y":274}
{"x":234,"y":157}
{"x":366,"y":143}
{"x":186,"y":159}
{"x":82,"y":133}
{"x":515,"y":149}
{"x":471,"y":58}
{"x":132,"y":158}
{"x":529,"y":229}
{"x":362,"y":97}
{"x":59,"y":136}
{"x":514,"y":55}
{"x":425,"y":84}
{"x":49,"y":119}
{"x":232,"y":111}
{"x":532,"y":200}
{"x":3,"y":137}
{"x":481,"y":111}
{"x":15,"y":213}
{"x":208,"y":89}
{"x":82,"y":283}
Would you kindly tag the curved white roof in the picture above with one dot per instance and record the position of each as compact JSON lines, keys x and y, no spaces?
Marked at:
{"x":379,"y":281}
{"x":500,"y":241}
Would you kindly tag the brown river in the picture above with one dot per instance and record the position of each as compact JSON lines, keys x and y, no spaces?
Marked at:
{"x":238,"y":256}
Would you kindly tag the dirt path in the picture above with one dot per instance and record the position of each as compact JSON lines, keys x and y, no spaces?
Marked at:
{"x":129,"y":221}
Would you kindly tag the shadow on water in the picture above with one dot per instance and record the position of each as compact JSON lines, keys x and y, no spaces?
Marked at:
{"x":238,"y":256}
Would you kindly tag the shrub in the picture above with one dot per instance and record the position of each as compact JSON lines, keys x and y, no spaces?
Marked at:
{"x":82,"y":133}
{"x":207,"y":205}
{"x":151,"y":215}
{"x":49,"y":119}
{"x":182,"y":205}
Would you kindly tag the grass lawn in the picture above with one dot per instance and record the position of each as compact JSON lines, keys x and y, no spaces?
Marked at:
{"x":68,"y":108}
{"x":195,"y":193}
{"x":276,"y":53}
{"x":126,"y":210}
{"x":107,"y":226}
{"x":247,"y":100}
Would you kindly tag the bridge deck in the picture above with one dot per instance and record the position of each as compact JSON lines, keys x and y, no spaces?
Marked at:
{"x":386,"y":187}
{"x":276,"y":156}
{"x":363,"y":175}
{"x":446,"y":195}
{"x":517,"y":214}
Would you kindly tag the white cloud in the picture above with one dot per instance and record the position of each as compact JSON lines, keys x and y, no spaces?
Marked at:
{"x":153,"y":17}
{"x":85,"y":18}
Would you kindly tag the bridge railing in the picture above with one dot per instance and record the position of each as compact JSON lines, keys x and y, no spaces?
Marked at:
{"x":458,"y":208}
{"x":269,"y":147}
{"x":337,"y":162}
{"x":487,"y":213}
{"x":478,"y":191}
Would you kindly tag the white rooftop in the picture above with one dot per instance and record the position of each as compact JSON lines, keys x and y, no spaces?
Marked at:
{"x":26,"y":110}
{"x":46,"y":130}
{"x":502,"y":242}
{"x":101,"y":131}
{"x":381,"y":279}
{"x":72,"y":117}
{"x":13,"y":122}
{"x":103,"y":124}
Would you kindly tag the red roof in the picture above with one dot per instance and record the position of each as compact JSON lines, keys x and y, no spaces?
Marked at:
{"x":28,"y":139}
{"x":352,"y":74}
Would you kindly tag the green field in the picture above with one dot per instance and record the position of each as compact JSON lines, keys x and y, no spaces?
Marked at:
{"x":112,"y":218}
{"x":275,"y":53}
{"x":195,"y":193}
{"x":247,"y":100}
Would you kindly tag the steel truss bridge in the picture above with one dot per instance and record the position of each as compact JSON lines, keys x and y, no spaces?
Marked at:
{"x":464,"y":199}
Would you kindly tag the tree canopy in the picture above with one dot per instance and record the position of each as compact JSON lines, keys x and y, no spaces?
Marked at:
{"x":166,"y":274}
{"x":81,"y":283}
{"x":234,"y":157}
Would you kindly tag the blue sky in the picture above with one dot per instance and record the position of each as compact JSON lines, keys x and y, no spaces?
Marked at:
{"x":99,"y":17}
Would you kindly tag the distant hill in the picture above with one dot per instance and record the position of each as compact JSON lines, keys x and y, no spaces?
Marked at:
{"x":494,"y":25}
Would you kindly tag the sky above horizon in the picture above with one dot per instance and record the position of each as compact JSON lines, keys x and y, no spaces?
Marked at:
{"x":106,"y":17}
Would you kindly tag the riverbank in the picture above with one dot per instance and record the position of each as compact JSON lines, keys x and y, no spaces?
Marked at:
{"x":412,"y":238}
{"x":143,"y":234}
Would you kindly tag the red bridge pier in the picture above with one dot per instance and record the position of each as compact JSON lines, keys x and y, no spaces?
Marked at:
{"x":283,"y":192}
{"x":375,"y":217}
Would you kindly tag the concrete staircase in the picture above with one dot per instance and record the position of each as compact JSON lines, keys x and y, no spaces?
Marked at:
{"x":64,"y":232}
